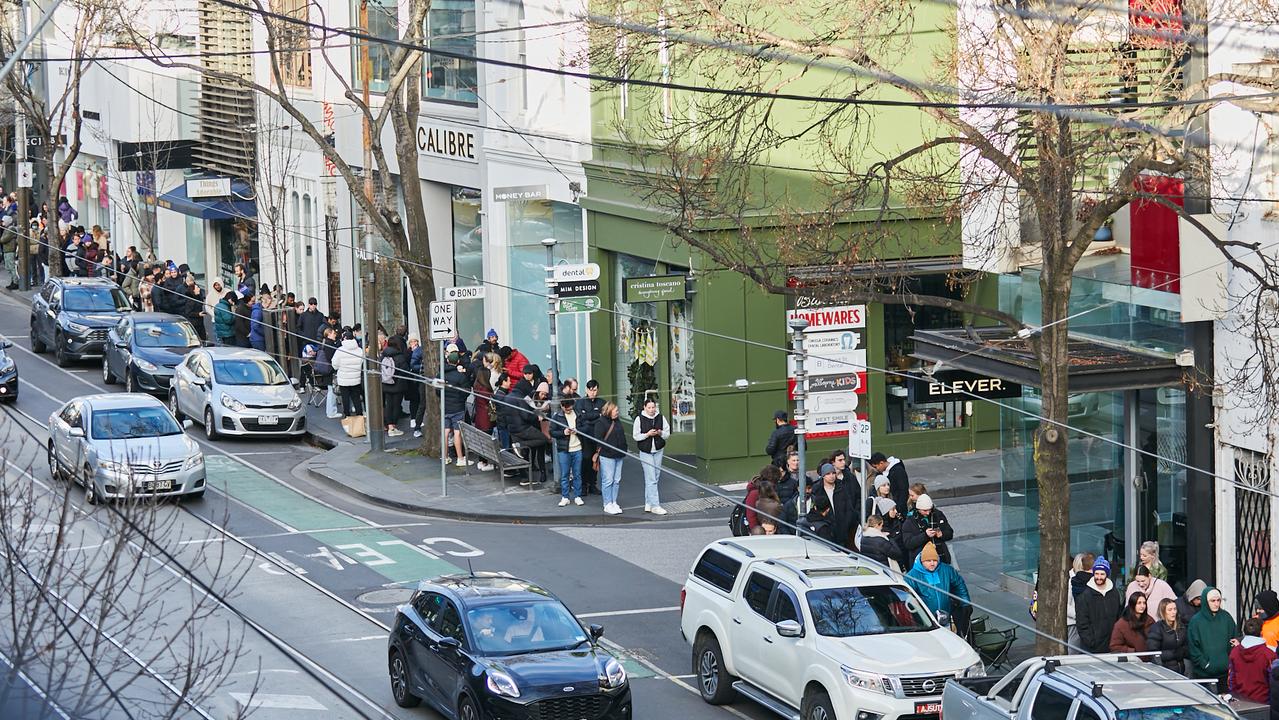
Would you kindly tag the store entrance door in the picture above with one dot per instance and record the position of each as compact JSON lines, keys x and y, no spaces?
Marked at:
{"x":1155,"y":420}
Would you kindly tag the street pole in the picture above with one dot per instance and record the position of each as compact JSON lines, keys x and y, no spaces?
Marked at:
{"x":797,"y":326}
{"x":20,"y":143}
{"x":444,"y":433}
{"x":551,"y":311}
{"x":373,"y":374}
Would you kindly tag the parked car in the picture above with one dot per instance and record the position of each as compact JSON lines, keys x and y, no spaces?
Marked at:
{"x":486,"y":646}
{"x":808,"y":632}
{"x":72,"y":317}
{"x":236,"y":391}
{"x":1082,"y":687}
{"x":143,"y":348}
{"x":119,"y":445}
{"x":8,"y":372}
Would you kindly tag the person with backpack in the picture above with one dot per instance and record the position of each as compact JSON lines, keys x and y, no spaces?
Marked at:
{"x":394,"y":366}
{"x":768,"y":475}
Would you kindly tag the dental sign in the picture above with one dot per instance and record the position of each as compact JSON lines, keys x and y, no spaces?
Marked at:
{"x":454,"y":143}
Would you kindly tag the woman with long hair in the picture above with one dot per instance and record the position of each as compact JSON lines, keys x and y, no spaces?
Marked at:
{"x":1129,"y":633}
{"x":611,"y":434}
{"x":1168,"y":638}
{"x":770,"y":474}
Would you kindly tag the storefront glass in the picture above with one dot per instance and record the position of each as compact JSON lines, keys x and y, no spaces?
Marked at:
{"x":384,"y":21}
{"x":528,"y":223}
{"x":635,"y":354}
{"x":682,"y":407}
{"x":468,"y":261}
{"x":195,"y":246}
{"x":905,"y":414}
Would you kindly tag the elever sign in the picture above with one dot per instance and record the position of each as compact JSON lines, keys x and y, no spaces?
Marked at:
{"x":839,"y":317}
{"x":950,"y":385}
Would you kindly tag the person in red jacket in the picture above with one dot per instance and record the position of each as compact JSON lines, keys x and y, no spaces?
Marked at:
{"x":1250,"y":664}
{"x":763,"y":485}
{"x":513,"y":361}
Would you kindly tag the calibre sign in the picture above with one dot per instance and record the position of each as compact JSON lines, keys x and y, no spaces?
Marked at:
{"x":446,"y":142}
{"x":950,"y":385}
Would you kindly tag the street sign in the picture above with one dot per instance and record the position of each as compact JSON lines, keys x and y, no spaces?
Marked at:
{"x":859,"y":439}
{"x":443,"y":319}
{"x":464,"y":292}
{"x":25,"y":172}
{"x":579,"y":304}
{"x":570,"y":273}
{"x":577,"y":288}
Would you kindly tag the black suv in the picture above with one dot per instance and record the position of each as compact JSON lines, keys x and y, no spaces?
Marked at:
{"x":485,"y":646}
{"x":72,"y":316}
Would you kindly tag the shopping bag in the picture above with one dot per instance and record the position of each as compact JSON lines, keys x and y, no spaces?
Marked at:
{"x":355,"y":426}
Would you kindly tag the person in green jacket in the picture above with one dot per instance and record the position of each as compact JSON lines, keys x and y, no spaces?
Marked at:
{"x":1212,"y":633}
{"x":224,"y":319}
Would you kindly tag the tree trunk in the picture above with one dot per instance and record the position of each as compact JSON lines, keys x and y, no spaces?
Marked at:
{"x":422,"y":285}
{"x":1051,"y":462}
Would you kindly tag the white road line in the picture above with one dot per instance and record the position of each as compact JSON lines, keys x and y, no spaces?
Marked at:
{"x":24,"y":381}
{"x":640,"y":611}
{"x":277,"y":702}
{"x":388,"y":526}
{"x":360,"y":639}
{"x":35,"y":688}
{"x":677,"y":679}
{"x":290,"y":451}
{"x":54,"y":364}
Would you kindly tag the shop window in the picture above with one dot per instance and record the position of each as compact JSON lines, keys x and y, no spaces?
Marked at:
{"x":683,"y":408}
{"x":384,"y":22}
{"x":450,"y":26}
{"x":635,"y":352}
{"x":293,"y":41}
{"x":468,"y":261}
{"x":528,"y":223}
{"x":900,"y":322}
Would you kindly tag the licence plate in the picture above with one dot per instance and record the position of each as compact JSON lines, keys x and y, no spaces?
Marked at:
{"x":269,"y":419}
{"x":157,"y":485}
{"x":923,"y":708}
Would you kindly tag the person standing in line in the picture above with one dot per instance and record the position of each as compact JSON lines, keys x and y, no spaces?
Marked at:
{"x":843,"y":505}
{"x":928,"y":524}
{"x":941,"y":587}
{"x":1212,"y":633}
{"x":1167,"y":637}
{"x":612,"y":449}
{"x":324,"y":371}
{"x":898,"y":480}
{"x":1097,"y":609}
{"x":484,"y":411}
{"x":782,"y":440}
{"x":589,"y":408}
{"x":650,"y":433}
{"x":502,"y":401}
{"x":416,"y":388}
{"x":348,"y":373}
{"x":193,"y":308}
{"x":878,"y":546}
{"x":768,"y":477}
{"x":1129,"y":633}
{"x":568,"y":450}
{"x":879,"y":490}
{"x":395,"y":363}
{"x":1268,"y":612}
{"x":457,"y":387}
{"x":1077,"y":578}
{"x":844,"y":473}
{"x":224,"y":319}
{"x":1190,"y":601}
{"x":243,"y":320}
{"x":1250,"y":662}
{"x":1155,"y":590}
{"x":9,"y":245}
{"x":912,"y":496}
{"x":257,"y":322}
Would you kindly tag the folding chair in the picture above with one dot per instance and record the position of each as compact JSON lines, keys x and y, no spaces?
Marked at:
{"x":993,"y":646}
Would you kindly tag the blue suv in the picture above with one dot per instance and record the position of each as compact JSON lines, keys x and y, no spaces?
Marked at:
{"x":72,"y":316}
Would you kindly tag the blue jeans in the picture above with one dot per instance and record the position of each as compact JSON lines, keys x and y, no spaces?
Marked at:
{"x":503,"y":437}
{"x":570,"y":462}
{"x":610,"y":478}
{"x":652,"y":464}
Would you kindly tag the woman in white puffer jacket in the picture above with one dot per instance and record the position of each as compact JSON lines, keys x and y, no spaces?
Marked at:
{"x":348,"y":373}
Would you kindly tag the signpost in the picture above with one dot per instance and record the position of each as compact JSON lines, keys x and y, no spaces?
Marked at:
{"x":577,"y":288}
{"x":859,"y":447}
{"x":443,"y":320}
{"x":570,"y":273}
{"x":579,"y":304}
{"x":464,"y":292}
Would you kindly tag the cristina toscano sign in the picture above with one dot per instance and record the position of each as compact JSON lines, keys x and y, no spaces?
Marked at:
{"x":653,"y":288}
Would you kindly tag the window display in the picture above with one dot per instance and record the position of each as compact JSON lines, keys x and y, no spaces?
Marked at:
{"x":468,"y":261}
{"x":906,"y":412}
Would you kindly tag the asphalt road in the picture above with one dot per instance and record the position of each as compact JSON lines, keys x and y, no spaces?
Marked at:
{"x":311,"y":578}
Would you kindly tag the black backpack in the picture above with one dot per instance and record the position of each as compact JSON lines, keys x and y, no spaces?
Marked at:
{"x":737,"y":521}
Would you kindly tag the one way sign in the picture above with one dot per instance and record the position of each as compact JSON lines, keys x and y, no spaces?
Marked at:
{"x":443,"y":317}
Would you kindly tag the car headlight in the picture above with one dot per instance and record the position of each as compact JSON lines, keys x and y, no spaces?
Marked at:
{"x":113,"y":467}
{"x":613,"y":676}
{"x":197,"y":460}
{"x":295,"y":403}
{"x":977,"y":669}
{"x":867,"y":681}
{"x":77,"y":328}
{"x":499,"y":683}
{"x":231,"y":403}
{"x":8,"y":366}
{"x":144,"y":365}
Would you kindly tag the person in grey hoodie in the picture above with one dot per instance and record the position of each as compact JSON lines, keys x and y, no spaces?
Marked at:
{"x":1190,"y":601}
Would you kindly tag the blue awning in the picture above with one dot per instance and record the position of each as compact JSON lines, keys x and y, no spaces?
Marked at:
{"x":212,"y":208}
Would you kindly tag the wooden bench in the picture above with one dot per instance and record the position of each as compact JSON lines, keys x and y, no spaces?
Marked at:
{"x":483,"y":445}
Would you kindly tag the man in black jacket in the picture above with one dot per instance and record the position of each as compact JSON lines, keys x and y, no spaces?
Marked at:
{"x":898,"y":480}
{"x":310,"y":321}
{"x":842,"y":503}
{"x":458,"y":382}
{"x":502,"y":402}
{"x":243,"y":319}
{"x":927,"y":525}
{"x":589,"y":408}
{"x":782,"y":440}
{"x":1097,"y":608}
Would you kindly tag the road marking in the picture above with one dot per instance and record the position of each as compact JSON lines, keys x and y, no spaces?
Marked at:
{"x":641,"y":611}
{"x":35,"y":688}
{"x":277,"y":702}
{"x":54,"y":364}
{"x":677,"y":679}
{"x":272,"y":452}
{"x":27,"y":382}
{"x":389,"y":526}
{"x":360,"y":639}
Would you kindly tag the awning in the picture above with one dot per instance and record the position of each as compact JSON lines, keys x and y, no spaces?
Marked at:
{"x":912,"y":267}
{"x":1094,"y":366}
{"x":232,"y":208}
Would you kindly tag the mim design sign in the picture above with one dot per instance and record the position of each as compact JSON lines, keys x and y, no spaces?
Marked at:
{"x":454,"y":143}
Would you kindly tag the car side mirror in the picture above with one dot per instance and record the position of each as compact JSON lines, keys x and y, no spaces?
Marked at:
{"x":76,"y":432}
{"x":295,"y":382}
{"x":201,"y":381}
{"x":187,"y":424}
{"x":790,"y":629}
{"x":597,"y":632}
{"x":449,"y":643}
{"x":121,"y":344}
{"x":6,"y":344}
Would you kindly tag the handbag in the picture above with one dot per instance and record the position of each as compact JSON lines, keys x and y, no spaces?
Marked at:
{"x":737,"y":521}
{"x":595,"y":459}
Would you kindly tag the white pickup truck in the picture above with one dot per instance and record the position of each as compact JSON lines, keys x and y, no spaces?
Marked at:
{"x":814,"y":634}
{"x":1082,"y":687}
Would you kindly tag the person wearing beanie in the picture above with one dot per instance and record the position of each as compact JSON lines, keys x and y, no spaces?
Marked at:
{"x":939,"y":585}
{"x":1211,"y":634}
{"x":842,"y":503}
{"x":927,"y":525}
{"x":490,"y":344}
{"x":1268,"y":612}
{"x":1249,"y":664}
{"x":879,"y":490}
{"x":782,"y":439}
{"x":1097,"y":609}
{"x":895,"y":471}
{"x":878,"y":545}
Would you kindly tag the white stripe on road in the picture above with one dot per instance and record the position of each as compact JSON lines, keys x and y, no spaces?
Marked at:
{"x":278,"y":702}
{"x":24,"y":381}
{"x":677,"y":679}
{"x":360,"y":639}
{"x":640,"y":611}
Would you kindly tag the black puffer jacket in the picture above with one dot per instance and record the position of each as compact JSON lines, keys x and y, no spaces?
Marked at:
{"x":1170,"y":644}
{"x":401,"y":360}
{"x":612,"y":434}
{"x":780,"y":442}
{"x":915,"y":537}
{"x":459,"y":387}
{"x":1095,"y":616}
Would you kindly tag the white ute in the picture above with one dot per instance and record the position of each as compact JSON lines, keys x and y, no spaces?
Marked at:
{"x":813,"y":634}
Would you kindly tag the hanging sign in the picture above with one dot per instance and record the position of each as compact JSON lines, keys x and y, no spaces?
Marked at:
{"x":653,"y":288}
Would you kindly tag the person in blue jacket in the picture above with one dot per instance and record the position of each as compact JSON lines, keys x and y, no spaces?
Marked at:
{"x":257,"y":329}
{"x":936,"y":582}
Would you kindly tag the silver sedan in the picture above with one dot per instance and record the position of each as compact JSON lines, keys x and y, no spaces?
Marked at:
{"x":122,"y":445}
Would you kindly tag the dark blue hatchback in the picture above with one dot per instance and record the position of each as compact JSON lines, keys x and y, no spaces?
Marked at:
{"x":492,"y":647}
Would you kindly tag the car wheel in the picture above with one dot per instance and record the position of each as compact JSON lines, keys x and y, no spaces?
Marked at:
{"x":399,"y":669}
{"x":210,"y":427}
{"x":37,"y":346}
{"x":107,"y":377}
{"x":466,"y":709}
{"x":90,"y":487}
{"x":130,"y":384}
{"x":713,"y":681}
{"x":54,"y":471}
{"x":816,"y":706}
{"x":173,"y":406}
{"x":60,"y":350}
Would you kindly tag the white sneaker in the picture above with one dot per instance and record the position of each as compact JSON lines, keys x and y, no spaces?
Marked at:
{"x":612,"y":509}
{"x":578,"y":501}
{"x":463,"y":462}
{"x":394,"y":432}
{"x":335,"y":416}
{"x":412,"y":423}
{"x":417,"y":433}
{"x":483,"y":466}
{"x":648,"y":508}
{"x":563,"y":502}
{"x":658,"y":510}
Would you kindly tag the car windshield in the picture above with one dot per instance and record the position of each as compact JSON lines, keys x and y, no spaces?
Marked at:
{"x":248,"y":372}
{"x":167,"y":335}
{"x":524,"y":627}
{"x":95,"y":299}
{"x":869,"y":610}
{"x":130,"y":423}
{"x":1176,"y":712}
